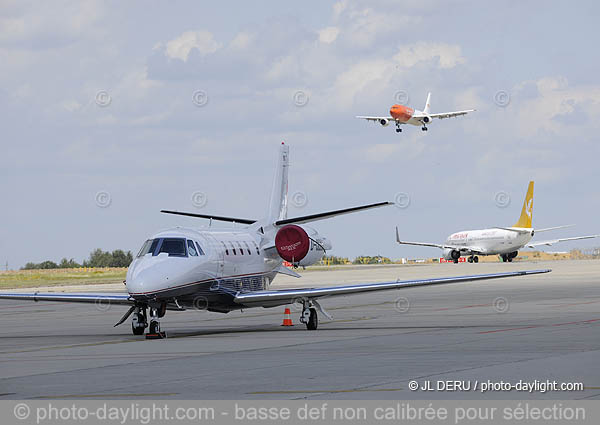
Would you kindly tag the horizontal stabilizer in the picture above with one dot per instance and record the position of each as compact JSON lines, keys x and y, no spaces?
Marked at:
{"x":211,"y":217}
{"x":520,"y":230}
{"x":329,"y":214}
{"x":553,"y":228}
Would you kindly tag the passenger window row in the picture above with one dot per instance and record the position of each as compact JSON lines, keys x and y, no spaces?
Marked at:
{"x":235,"y":247}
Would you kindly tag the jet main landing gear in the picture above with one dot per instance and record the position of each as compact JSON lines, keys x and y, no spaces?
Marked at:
{"x":473,"y":259}
{"x":309,"y":317}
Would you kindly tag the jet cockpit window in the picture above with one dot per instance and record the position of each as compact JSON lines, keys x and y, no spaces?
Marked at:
{"x":145,"y":248}
{"x":175,"y":247}
{"x":192,"y":249}
{"x":200,"y":251}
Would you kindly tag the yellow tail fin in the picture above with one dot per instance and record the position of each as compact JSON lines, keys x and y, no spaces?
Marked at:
{"x":527,"y":212}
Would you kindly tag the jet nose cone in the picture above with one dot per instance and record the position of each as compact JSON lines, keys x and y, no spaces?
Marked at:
{"x":145,"y":276}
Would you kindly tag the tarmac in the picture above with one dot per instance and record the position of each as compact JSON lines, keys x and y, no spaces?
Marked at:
{"x":524,"y":329}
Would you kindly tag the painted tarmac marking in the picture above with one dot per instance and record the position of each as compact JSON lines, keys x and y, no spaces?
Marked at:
{"x":541,"y":326}
{"x":325,"y":391}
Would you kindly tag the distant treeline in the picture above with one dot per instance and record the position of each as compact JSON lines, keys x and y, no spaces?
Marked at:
{"x":363,"y":259}
{"x":98,"y":258}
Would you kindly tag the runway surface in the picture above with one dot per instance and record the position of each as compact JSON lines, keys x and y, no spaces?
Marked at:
{"x":525,"y":328}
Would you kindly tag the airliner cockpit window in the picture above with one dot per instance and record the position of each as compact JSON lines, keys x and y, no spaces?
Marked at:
{"x":191,"y":249}
{"x":175,"y":247}
{"x":200,"y":251}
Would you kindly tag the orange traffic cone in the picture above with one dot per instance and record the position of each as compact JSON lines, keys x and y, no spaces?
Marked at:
{"x":287,"y":318}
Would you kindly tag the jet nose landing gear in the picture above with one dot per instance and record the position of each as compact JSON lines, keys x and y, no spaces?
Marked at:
{"x":154,"y":331}
{"x":139,"y":322}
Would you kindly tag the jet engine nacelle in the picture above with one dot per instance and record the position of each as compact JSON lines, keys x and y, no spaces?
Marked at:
{"x":384,"y":122}
{"x":300,"y":245}
{"x":426,"y":119}
{"x":451,"y":254}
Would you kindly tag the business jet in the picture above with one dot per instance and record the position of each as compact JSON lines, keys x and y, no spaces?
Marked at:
{"x":232,"y":269}
{"x":400,"y":114}
{"x":503,"y":241}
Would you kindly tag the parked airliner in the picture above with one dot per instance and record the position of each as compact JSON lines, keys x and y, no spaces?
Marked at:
{"x":400,"y":114}
{"x":232,"y":269}
{"x":503,"y":241}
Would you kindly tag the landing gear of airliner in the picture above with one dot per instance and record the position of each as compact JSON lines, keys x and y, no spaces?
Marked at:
{"x":398,"y":129}
{"x":309,"y":317}
{"x":424,"y":128}
{"x":473,"y":259}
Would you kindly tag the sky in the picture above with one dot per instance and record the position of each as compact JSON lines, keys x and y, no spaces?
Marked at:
{"x":114,"y":110}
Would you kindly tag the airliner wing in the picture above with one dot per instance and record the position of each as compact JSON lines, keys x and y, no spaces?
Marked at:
{"x":443,"y":115}
{"x":435,"y":245}
{"x":553,"y":241}
{"x":104,"y":298}
{"x":368,"y":118}
{"x":288,"y":296}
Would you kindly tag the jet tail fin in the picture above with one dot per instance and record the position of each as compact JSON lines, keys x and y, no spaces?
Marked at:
{"x":527,"y":211}
{"x":427,"y":108}
{"x":278,"y":201}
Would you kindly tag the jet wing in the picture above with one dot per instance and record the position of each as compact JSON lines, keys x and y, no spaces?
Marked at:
{"x":553,"y":241}
{"x":369,"y":118}
{"x":443,"y":115}
{"x":435,"y":245}
{"x":288,"y":296}
{"x":103,"y":298}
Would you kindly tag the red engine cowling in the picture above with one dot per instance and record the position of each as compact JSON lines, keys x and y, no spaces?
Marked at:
{"x":292,"y":243}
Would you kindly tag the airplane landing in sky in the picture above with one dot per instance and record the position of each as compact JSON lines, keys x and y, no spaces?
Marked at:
{"x":400,"y":114}
{"x":503,"y":241}
{"x":222,"y":270}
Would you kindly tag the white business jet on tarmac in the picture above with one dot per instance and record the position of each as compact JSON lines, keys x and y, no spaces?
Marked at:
{"x":225,"y":270}
{"x":503,"y":241}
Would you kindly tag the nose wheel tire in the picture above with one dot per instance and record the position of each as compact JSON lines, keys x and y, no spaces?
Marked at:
{"x":313,"y":320}
{"x":154,"y":327}
{"x":138,"y":322}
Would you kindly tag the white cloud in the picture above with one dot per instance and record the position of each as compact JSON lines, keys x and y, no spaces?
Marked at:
{"x":180,"y":47}
{"x":449,"y":55}
{"x":328,"y":35}
{"x":241,"y":40}
{"x":556,"y":107}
